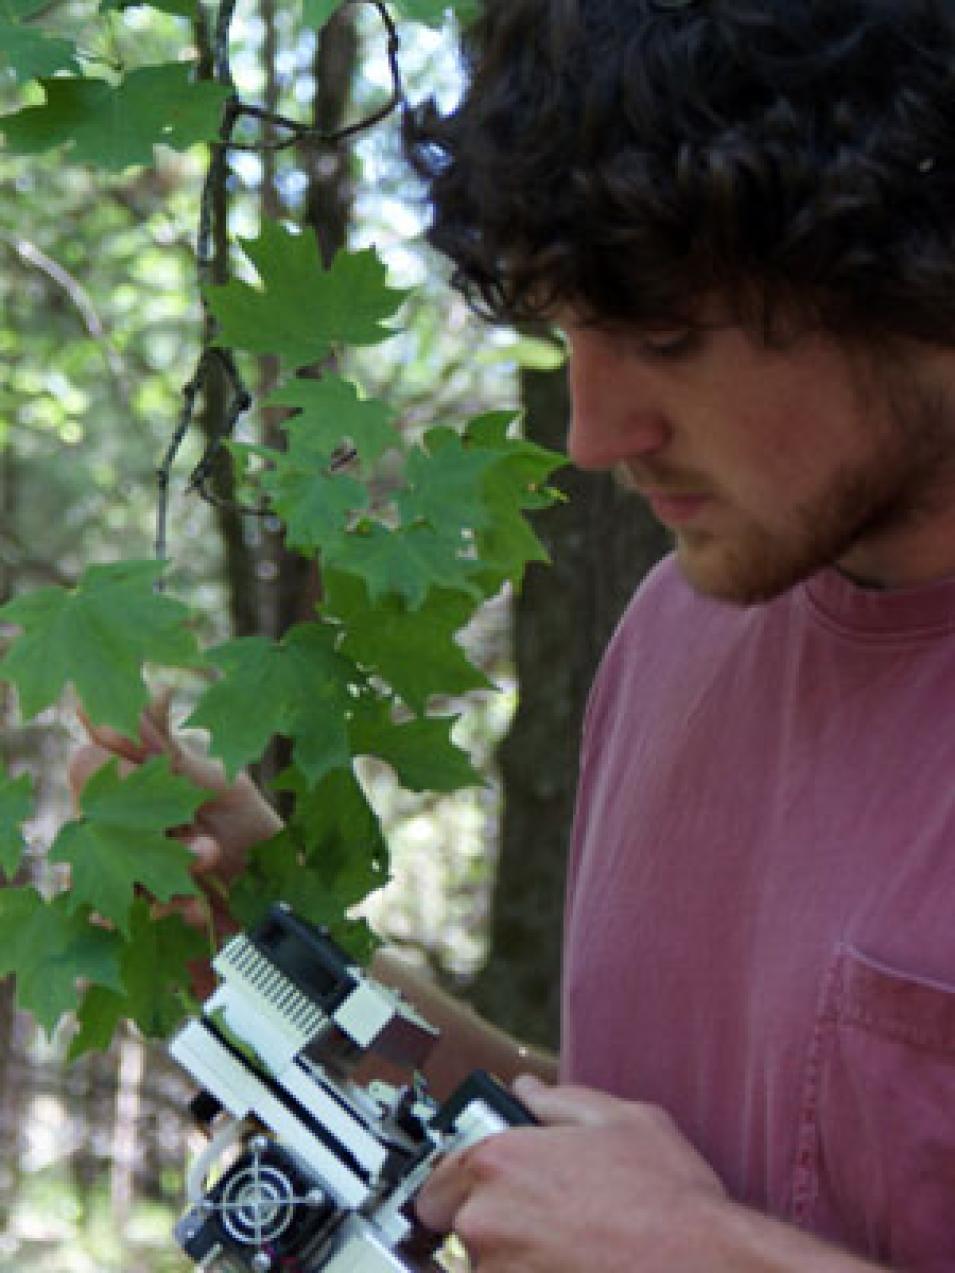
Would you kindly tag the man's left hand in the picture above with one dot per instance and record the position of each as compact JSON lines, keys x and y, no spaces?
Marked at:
{"x":603,"y":1185}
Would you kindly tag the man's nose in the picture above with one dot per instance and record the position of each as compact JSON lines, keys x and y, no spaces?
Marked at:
{"x":613,"y":412}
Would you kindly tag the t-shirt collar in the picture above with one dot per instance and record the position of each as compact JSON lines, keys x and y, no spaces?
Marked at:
{"x":926,"y":610}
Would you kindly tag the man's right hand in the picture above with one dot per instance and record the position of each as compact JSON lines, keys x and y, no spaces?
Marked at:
{"x":226,"y":826}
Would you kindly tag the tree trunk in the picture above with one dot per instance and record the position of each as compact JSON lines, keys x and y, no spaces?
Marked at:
{"x":602,"y":542}
{"x":290,"y":585}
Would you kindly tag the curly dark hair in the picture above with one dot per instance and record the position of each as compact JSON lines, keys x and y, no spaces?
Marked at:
{"x":631,"y":157}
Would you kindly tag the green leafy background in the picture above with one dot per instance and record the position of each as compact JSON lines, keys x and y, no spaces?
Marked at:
{"x":376,"y":671}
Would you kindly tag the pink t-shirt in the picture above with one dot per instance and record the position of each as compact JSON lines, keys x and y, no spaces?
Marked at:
{"x":761,"y":918}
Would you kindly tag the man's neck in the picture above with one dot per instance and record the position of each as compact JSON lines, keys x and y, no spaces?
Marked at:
{"x":921,"y":552}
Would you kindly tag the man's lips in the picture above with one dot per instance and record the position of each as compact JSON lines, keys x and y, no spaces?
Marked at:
{"x":675,"y":510}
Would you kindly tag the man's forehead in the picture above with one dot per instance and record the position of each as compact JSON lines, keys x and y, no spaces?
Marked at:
{"x":705,"y":312}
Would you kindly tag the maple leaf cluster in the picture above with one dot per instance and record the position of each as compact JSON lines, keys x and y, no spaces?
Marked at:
{"x":370,"y":674}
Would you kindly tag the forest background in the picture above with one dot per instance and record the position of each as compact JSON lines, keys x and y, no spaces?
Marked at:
{"x":101,"y":328}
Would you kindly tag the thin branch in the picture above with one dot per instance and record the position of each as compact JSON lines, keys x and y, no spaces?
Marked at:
{"x":202,"y":477}
{"x":31,"y":255}
{"x":220,"y":45}
{"x":240,"y":403}
{"x":201,"y":486}
{"x":214,"y":64}
{"x":304,"y":134}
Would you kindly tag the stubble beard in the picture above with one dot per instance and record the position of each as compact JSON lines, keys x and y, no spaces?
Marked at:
{"x":893,"y":488}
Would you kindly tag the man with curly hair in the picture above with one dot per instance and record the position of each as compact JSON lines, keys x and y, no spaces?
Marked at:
{"x":742,"y":215}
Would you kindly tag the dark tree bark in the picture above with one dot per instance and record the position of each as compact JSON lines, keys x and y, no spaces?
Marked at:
{"x":289,"y":585}
{"x":238,"y":556}
{"x":328,"y":211}
{"x":601,"y":542}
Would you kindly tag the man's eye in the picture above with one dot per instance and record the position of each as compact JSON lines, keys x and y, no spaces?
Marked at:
{"x":670,"y":343}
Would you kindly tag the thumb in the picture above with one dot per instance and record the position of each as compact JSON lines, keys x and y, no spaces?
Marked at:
{"x":565,"y":1104}
{"x":208,"y":854}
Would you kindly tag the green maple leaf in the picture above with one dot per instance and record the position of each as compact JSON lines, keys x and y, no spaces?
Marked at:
{"x":315,"y":898}
{"x":98,"y":1016}
{"x":155,"y":969}
{"x":299,"y":687}
{"x":16,"y":805}
{"x":31,"y":54}
{"x":315,"y":13}
{"x":96,"y":636}
{"x":461,"y":492}
{"x":330,"y":855}
{"x":515,"y":483}
{"x":330,"y":412}
{"x":116,"y":128}
{"x":48,"y":949}
{"x":120,"y":841}
{"x":302,"y":310}
{"x":413,"y":650}
{"x":155,"y":976}
{"x":407,"y":561}
{"x":315,"y":505}
{"x":530,"y":465}
{"x":446,"y":483}
{"x":338,"y":832}
{"x":355,"y":937}
{"x":284,"y":875}
{"x":419,"y":751}
{"x":535,"y":464}
{"x":507,"y":547}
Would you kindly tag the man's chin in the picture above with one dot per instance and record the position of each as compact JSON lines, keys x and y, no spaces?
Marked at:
{"x":739,"y":574}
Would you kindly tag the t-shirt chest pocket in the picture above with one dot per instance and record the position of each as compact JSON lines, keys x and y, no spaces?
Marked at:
{"x":875,"y":1165}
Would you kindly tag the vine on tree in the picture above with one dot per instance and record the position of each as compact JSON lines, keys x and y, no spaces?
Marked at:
{"x":402,"y":574}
